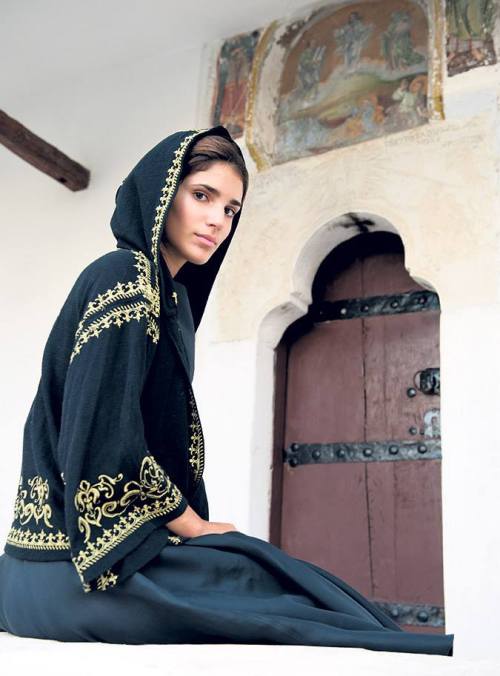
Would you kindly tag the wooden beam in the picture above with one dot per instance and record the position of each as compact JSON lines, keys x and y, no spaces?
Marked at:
{"x":41,"y":154}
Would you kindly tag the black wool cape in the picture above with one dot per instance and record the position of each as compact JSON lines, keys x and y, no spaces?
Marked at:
{"x":113,"y":444}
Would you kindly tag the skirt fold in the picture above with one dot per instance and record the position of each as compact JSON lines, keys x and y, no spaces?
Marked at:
{"x":230,"y":588}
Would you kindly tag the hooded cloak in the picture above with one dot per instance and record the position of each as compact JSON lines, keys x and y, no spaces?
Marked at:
{"x":113,"y":444}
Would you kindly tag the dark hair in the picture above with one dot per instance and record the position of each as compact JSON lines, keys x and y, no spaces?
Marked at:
{"x":214,"y":148}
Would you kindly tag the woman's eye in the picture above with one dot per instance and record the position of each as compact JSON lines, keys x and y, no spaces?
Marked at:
{"x":233,"y":212}
{"x":197,"y":192}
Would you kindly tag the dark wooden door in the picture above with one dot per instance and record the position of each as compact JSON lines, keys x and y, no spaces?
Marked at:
{"x":360,"y":487}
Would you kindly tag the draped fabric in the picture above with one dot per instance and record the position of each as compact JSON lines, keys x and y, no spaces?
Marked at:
{"x":229,"y":588}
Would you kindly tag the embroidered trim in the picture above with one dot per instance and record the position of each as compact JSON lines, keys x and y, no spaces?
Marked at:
{"x":197,"y":446}
{"x":148,"y":306}
{"x":122,"y":291}
{"x":175,"y":539}
{"x":101,"y":583}
{"x":18,"y":537}
{"x":173,"y":174}
{"x":38,"y":509}
{"x":107,"y":579}
{"x":153,"y":484}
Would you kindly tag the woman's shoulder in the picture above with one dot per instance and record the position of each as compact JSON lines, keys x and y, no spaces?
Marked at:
{"x":119,"y":265}
{"x":115,"y":275}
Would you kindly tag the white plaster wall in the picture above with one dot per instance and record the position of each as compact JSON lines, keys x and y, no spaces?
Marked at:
{"x":437,"y":186}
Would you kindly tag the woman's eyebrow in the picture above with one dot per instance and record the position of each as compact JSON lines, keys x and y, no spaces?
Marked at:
{"x":215,"y":192}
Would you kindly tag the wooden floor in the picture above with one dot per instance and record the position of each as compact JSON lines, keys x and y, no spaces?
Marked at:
{"x":20,"y":655}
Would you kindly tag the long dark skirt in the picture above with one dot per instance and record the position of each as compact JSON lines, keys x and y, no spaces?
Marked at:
{"x":230,"y":588}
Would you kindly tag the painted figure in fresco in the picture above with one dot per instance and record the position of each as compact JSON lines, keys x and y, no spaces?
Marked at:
{"x":309,"y":68}
{"x":366,"y":118}
{"x":344,"y":91}
{"x":233,"y":100}
{"x":470,"y":27}
{"x":351,"y":38}
{"x":411,"y":104}
{"x":235,"y":64}
{"x":397,"y":47}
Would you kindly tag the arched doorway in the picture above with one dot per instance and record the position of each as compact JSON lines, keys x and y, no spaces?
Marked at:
{"x":357,"y":489}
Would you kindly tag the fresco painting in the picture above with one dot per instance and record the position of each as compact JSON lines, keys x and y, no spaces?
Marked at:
{"x":233,"y":71}
{"x":470,"y":27}
{"x":352,"y":73}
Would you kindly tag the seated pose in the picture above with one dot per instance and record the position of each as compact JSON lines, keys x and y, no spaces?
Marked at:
{"x":111,"y":539}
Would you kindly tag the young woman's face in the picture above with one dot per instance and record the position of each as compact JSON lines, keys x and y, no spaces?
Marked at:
{"x":201,"y":215}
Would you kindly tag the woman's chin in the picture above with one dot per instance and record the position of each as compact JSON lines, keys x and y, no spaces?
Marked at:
{"x":199,"y":257}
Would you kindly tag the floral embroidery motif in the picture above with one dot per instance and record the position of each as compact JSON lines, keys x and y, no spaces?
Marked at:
{"x":101,"y":583}
{"x":147,"y":306}
{"x":153,"y":484}
{"x":38,"y":509}
{"x":107,"y":579}
{"x":197,"y":447}
{"x":19,"y":537}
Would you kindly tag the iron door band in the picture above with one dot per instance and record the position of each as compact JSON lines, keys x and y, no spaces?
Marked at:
{"x":354,"y":308}
{"x":372,"y":451}
{"x":414,"y":614}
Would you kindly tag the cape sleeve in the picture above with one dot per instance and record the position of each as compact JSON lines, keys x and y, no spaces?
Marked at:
{"x":118,"y":498}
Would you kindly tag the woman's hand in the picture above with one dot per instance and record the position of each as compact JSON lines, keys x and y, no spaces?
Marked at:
{"x":216,"y":527}
{"x":190,"y":525}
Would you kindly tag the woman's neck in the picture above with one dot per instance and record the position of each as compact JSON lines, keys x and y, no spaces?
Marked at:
{"x":173,"y":261}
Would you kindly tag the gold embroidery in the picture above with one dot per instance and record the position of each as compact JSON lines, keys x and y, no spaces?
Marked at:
{"x":175,"y":539}
{"x":197,"y":447}
{"x":153,"y":483}
{"x":38,"y":509}
{"x":102,"y":582}
{"x":19,"y":537}
{"x":87,"y":501}
{"x":107,"y":579}
{"x":123,"y":291}
{"x":118,"y":316}
{"x":173,"y":174}
{"x":148,"y":306}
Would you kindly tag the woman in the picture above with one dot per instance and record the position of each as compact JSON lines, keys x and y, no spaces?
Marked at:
{"x":111,"y":496}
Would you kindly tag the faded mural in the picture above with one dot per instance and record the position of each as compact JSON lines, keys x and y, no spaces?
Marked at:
{"x":356,"y":73}
{"x":234,"y":66}
{"x":470,"y":27}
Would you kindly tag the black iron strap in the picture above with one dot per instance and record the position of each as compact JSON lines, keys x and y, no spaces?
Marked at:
{"x":353,"y":308}
{"x":419,"y":615}
{"x":367,"y":451}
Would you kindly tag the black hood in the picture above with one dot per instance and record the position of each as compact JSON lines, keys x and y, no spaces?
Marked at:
{"x":142,"y":204}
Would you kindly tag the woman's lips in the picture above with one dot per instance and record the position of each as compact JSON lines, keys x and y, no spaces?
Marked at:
{"x":205,"y":240}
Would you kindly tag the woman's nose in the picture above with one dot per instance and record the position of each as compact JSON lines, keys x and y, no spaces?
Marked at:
{"x":216,"y":217}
